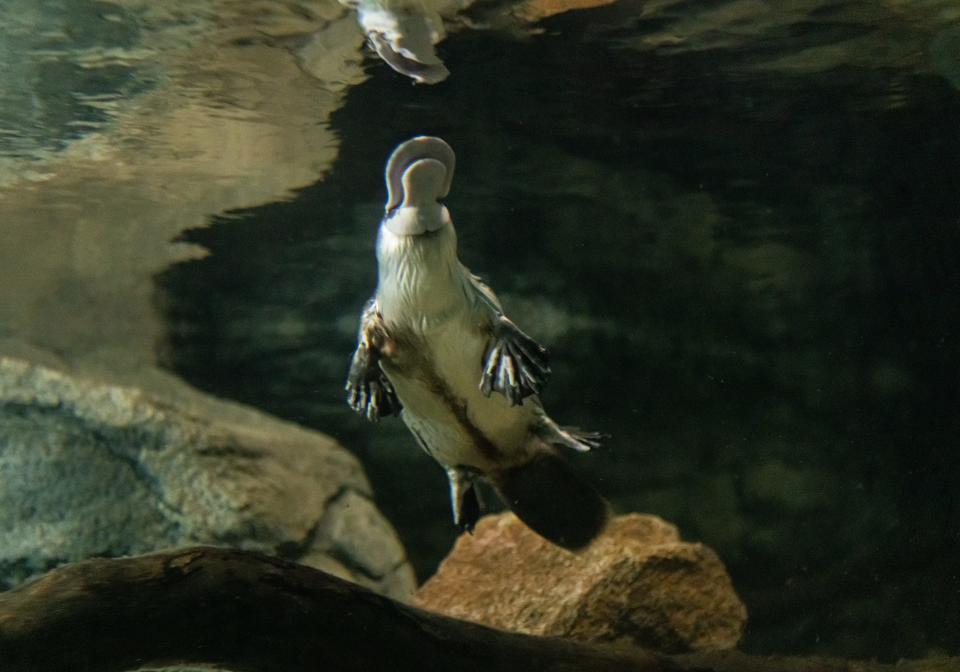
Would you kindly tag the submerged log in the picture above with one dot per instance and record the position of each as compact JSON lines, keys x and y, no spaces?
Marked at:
{"x":249,"y":612}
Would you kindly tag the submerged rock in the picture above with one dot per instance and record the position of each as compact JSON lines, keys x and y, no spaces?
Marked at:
{"x":89,"y":469}
{"x":638,"y":583}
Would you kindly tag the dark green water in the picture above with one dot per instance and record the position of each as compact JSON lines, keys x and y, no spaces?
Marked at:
{"x":747,"y":276}
{"x":736,"y":225}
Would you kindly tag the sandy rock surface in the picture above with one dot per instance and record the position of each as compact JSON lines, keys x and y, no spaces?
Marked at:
{"x":638,"y":583}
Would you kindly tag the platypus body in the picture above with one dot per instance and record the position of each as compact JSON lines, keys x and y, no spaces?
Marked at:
{"x":435,"y":348}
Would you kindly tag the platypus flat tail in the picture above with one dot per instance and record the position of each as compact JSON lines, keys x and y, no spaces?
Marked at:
{"x":553,"y":500}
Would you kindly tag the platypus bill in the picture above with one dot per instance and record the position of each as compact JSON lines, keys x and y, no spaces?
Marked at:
{"x":435,"y":348}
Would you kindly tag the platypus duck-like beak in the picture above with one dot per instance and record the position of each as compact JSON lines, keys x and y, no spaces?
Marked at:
{"x":418,"y":175}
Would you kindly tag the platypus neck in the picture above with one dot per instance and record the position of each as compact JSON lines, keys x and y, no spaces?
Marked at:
{"x":421,"y":281}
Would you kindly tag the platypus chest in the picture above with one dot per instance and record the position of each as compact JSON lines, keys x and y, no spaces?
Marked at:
{"x":436,"y":374}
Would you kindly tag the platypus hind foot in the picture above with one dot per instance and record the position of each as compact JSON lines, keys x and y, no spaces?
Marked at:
{"x":464,"y":498}
{"x":515,"y":365}
{"x":569,"y":437}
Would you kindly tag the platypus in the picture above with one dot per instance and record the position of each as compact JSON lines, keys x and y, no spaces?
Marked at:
{"x":436,"y":348}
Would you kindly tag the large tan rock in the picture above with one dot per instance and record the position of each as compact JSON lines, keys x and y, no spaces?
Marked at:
{"x":637,"y":583}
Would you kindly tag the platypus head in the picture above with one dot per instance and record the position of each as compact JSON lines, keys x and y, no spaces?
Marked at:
{"x":404,"y":39}
{"x":419,"y":273}
{"x":418,"y":175}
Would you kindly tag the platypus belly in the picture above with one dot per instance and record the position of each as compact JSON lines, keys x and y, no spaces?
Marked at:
{"x":435,"y":373}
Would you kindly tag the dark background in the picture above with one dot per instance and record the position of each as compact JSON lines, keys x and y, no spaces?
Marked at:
{"x":747,"y":277}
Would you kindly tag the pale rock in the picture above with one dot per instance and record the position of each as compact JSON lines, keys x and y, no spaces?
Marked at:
{"x":89,"y":469}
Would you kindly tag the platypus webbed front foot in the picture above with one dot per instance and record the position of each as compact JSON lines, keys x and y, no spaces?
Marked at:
{"x":369,"y":392}
{"x":515,"y":365}
{"x":372,"y":398}
{"x":464,"y":498}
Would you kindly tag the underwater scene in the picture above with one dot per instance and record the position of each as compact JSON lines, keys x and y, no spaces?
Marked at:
{"x":571,"y":334}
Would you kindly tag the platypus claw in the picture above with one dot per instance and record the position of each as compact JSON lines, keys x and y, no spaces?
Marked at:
{"x":515,"y":365}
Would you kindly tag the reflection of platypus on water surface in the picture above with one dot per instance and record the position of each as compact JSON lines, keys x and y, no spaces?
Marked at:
{"x":436,"y":348}
{"x":404,"y":32}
